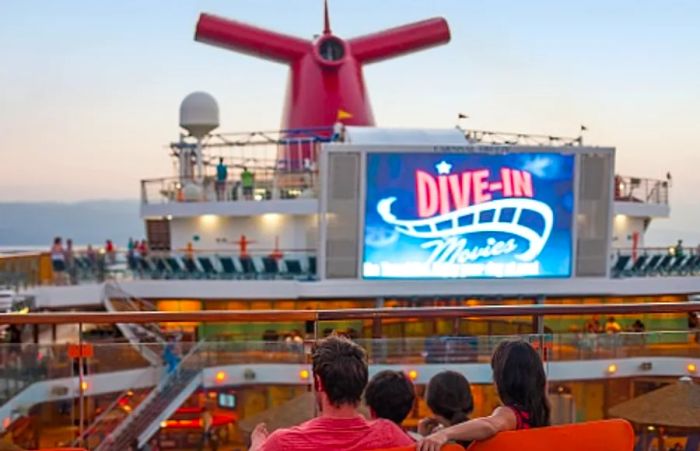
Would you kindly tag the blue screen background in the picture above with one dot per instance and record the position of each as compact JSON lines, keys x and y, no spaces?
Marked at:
{"x":393,"y":175}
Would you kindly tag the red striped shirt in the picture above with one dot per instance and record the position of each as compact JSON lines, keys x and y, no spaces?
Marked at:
{"x":348,"y":434}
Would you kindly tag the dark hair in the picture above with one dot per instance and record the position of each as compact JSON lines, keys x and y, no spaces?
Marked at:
{"x":57,"y":240}
{"x":520,"y":380}
{"x":390,"y":395}
{"x":341,"y":365}
{"x":449,"y":395}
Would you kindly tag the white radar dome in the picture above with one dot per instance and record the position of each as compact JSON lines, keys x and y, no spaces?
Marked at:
{"x":199,"y":114}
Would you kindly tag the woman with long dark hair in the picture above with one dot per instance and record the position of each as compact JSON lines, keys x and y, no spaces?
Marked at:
{"x":520,"y":381}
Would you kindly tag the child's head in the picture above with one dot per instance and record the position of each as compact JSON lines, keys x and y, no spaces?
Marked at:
{"x":449,"y":396}
{"x":390,"y":395}
{"x":520,"y":380}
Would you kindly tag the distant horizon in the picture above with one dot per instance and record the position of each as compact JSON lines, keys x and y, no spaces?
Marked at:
{"x":87,"y":222}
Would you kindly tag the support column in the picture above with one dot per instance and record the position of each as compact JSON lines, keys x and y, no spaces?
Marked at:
{"x":538,"y":320}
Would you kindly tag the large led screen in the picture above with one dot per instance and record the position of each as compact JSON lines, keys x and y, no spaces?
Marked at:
{"x":459,"y":215}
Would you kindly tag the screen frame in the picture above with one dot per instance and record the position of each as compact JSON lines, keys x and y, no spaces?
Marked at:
{"x":498,"y":150}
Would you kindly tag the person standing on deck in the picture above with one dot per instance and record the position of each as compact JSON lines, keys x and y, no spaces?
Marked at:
{"x":248,"y":182}
{"x":69,"y":257}
{"x":221,"y":176}
{"x":58,"y":260}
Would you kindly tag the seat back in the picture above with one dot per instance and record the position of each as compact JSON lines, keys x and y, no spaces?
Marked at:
{"x":621,"y":263}
{"x":293,"y":266}
{"x":270,"y":265}
{"x":206,"y":265}
{"x":653,"y":263}
{"x":639,"y":263}
{"x":190,"y":265}
{"x":665,"y":262}
{"x":160,"y":265}
{"x":173,"y":264}
{"x":607,"y":435}
{"x":447,"y":447}
{"x":247,"y":265}
{"x":227,"y":265}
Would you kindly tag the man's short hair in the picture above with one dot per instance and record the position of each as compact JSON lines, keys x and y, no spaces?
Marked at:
{"x":341,"y":365}
{"x":390,"y":395}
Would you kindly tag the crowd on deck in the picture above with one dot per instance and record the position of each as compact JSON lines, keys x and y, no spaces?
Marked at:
{"x":67,"y":262}
{"x":341,"y":379}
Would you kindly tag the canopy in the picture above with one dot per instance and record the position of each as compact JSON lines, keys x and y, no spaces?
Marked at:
{"x":674,"y":406}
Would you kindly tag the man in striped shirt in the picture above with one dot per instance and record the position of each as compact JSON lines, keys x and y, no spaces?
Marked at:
{"x":340,"y":376}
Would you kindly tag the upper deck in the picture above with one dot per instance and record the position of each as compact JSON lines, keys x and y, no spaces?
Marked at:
{"x":279,"y":179}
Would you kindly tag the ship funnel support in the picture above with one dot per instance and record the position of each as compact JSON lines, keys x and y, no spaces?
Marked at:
{"x":326,"y":82}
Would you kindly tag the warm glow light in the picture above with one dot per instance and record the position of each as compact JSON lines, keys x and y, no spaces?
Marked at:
{"x":208,"y":220}
{"x":413,"y":375}
{"x":612,"y":368}
{"x":692,"y":367}
{"x":304,"y":374}
{"x":220,"y":376}
{"x":129,"y":393}
{"x":6,"y":423}
{"x":84,"y":385}
{"x":271,"y":218}
{"x":127,"y":408}
{"x":164,"y":424}
{"x":651,"y":428}
{"x":212,"y":395}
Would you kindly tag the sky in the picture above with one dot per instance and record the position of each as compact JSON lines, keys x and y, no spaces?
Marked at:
{"x":89,"y":91}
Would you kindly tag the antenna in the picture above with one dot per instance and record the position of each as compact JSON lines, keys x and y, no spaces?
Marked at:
{"x":326,"y":18}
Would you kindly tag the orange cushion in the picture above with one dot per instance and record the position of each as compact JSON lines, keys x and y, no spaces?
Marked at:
{"x":608,"y":435}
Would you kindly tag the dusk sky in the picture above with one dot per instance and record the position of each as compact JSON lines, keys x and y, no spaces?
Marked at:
{"x":89,"y":91}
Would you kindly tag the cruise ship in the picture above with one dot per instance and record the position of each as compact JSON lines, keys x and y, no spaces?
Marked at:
{"x":426,"y":246}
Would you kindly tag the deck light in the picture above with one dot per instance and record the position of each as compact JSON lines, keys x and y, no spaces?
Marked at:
{"x":612,"y":369}
{"x":692,"y":368}
{"x":220,"y":376}
{"x":164,"y":424}
{"x":84,"y":386}
{"x":413,"y":375}
{"x":304,"y":374}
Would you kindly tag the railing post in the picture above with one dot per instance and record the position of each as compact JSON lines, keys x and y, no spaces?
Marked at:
{"x":538,"y":319}
{"x":80,"y":382}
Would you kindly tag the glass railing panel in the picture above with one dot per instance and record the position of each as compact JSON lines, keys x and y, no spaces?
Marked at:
{"x":195,"y":264}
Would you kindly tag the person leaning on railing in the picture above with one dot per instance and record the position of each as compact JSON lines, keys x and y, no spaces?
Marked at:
{"x":221,"y":176}
{"x":340,"y":375}
{"x":248,"y":183}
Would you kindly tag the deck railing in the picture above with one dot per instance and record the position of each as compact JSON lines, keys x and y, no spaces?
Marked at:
{"x":24,"y":365}
{"x":641,"y":190}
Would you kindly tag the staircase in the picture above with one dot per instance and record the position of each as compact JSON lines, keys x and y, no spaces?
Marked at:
{"x":147,"y":339}
{"x":158,"y":406}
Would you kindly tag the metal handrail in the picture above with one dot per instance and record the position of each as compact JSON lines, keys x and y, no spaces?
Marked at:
{"x":222,"y":316}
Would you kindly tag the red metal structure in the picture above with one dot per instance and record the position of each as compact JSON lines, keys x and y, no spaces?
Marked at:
{"x":326,"y":84}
